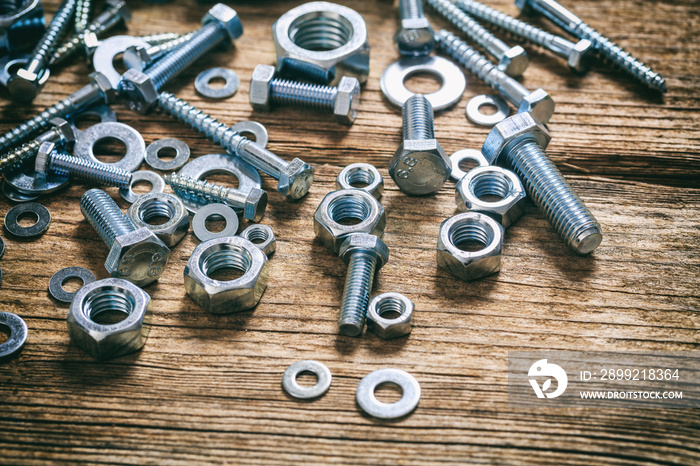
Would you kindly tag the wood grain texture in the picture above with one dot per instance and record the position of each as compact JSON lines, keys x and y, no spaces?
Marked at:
{"x":206,"y":389}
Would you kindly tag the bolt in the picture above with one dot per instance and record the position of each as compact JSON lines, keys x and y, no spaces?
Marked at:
{"x":364,"y":255}
{"x":220,"y":25}
{"x":518,"y":143}
{"x":578,"y":56}
{"x":295,"y":177}
{"x":91,"y":41}
{"x":608,"y":49}
{"x":82,"y":15}
{"x":140,"y":58}
{"x":416,"y":36}
{"x":538,"y":102}
{"x":136,"y":254}
{"x":28,"y":81}
{"x":51,"y":161}
{"x":60,"y":134}
{"x":253,"y":203}
{"x":511,"y":60}
{"x":267,"y":91}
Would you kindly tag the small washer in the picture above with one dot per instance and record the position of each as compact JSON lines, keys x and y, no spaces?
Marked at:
{"x":157,"y":185}
{"x":2,"y":248}
{"x":203,"y":80}
{"x":474,"y":113}
{"x":30,"y":183}
{"x":199,"y":221}
{"x":466,"y":154}
{"x":39,"y":228}
{"x":323,"y":383}
{"x":132,"y":139}
{"x":18,"y":334}
{"x":62,"y":276}
{"x":16,"y":196}
{"x":453,"y":80}
{"x":254,"y":128}
{"x":369,"y":403}
{"x":182,"y":154}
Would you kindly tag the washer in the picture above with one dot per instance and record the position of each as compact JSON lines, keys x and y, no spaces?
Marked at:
{"x":466,"y":154}
{"x":39,"y":228}
{"x":18,"y":334}
{"x":29,"y":183}
{"x":323,"y":382}
{"x":101,"y":111}
{"x":369,"y":403}
{"x":16,"y":196}
{"x":10,"y":63}
{"x":132,"y":139}
{"x":453,"y":80}
{"x":474,"y":113}
{"x":62,"y":276}
{"x":107,"y":51}
{"x":201,"y":83}
{"x":2,"y":248}
{"x":157,"y":185}
{"x":254,"y":128}
{"x":199,"y":221}
{"x":182,"y":154}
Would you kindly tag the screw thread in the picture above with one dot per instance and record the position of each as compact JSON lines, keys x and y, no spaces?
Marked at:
{"x":155,"y":39}
{"x":418,"y":118}
{"x":411,"y":9}
{"x":162,"y":48}
{"x":59,"y":25}
{"x":358,"y":286}
{"x":82,"y":15}
{"x":17,"y":157}
{"x":469,"y":58}
{"x":105,"y":216}
{"x":198,"y":188}
{"x":284,"y":92}
{"x":464,"y":23}
{"x":83,"y":169}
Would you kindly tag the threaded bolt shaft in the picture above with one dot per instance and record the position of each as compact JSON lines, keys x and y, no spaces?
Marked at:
{"x":140,"y":58}
{"x":418,"y":118}
{"x":284,"y":92}
{"x":82,"y":15}
{"x":358,"y":286}
{"x":411,"y":9}
{"x":105,"y":216}
{"x":17,"y":157}
{"x":204,"y":190}
{"x":61,"y":163}
{"x":161,"y":38}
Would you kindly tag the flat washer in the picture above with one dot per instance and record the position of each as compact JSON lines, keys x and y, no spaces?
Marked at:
{"x":465,"y":154}
{"x":30,"y":183}
{"x":369,"y":403}
{"x":201,"y":83}
{"x":18,"y":334}
{"x":157,"y":185}
{"x":323,"y":382}
{"x":2,"y":249}
{"x":107,"y":51}
{"x":132,"y":139}
{"x":182,"y":154}
{"x":16,"y":196}
{"x":199,"y":221}
{"x":254,"y":128}
{"x":474,"y":113}
{"x":453,"y":80}
{"x":101,"y":111}
{"x":39,"y":228}
{"x":62,"y":276}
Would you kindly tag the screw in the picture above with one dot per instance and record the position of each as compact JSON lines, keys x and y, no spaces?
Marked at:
{"x":140,"y":58}
{"x":518,"y":142}
{"x":220,"y":25}
{"x":294,"y":177}
{"x":575,"y":26}
{"x":28,"y":81}
{"x":511,"y":60}
{"x":364,"y":254}
{"x":253,"y":203}
{"x":135,"y":254}
{"x":267,"y":91}
{"x":91,"y":41}
{"x":82,"y":15}
{"x":50,"y":160}
{"x":416,"y":37}
{"x":578,"y":56}
{"x":538,"y":102}
{"x":61,"y":133}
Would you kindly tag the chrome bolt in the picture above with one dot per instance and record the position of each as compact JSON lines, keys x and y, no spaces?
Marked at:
{"x":415,"y":37}
{"x":82,"y":15}
{"x":60,"y":134}
{"x":52,"y":161}
{"x":140,"y":58}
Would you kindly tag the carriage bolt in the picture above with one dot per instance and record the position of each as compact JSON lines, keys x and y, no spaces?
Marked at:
{"x":98,"y":89}
{"x":220,"y":25}
{"x":141,"y":58}
{"x":578,"y":56}
{"x":28,"y":81}
{"x":60,"y":134}
{"x":294,"y":178}
{"x":82,"y":15}
{"x":252,"y":203}
{"x":267,"y":91}
{"x":416,"y":36}
{"x":49,"y":160}
{"x":136,"y":254}
{"x":511,"y":60}
{"x":538,"y":102}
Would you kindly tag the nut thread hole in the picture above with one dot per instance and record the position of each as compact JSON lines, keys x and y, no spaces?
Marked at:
{"x":108,"y":306}
{"x":157,"y":212}
{"x":231,"y":259}
{"x":490,"y":186}
{"x":471,"y":236}
{"x":349,"y":209}
{"x":257,"y":235}
{"x":360,"y":178}
{"x":390,"y":308}
{"x":320,"y":32}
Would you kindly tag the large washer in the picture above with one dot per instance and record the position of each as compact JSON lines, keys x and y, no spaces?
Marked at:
{"x":369,"y":403}
{"x":18,"y":335}
{"x":107,"y":51}
{"x":132,"y":139}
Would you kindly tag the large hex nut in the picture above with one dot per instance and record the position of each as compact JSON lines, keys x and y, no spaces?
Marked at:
{"x":223,"y":297}
{"x":151,"y":206}
{"x":322,"y":42}
{"x":101,"y":300}
{"x":460,"y":232}
{"x":493,"y":191}
{"x":348,"y":211}
{"x":390,"y":327}
{"x":520,"y":125}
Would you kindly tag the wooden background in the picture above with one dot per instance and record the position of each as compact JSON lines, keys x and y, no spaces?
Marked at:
{"x":206,"y":389}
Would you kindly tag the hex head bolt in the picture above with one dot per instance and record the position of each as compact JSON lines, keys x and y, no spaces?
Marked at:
{"x":364,"y":254}
{"x":416,"y":37}
{"x":52,"y":161}
{"x":294,"y":178}
{"x":578,"y":56}
{"x":575,"y":26}
{"x":28,"y":81}
{"x":518,"y":143}
{"x":82,"y":15}
{"x":60,"y":134}
{"x":140,"y":58}
{"x":538,"y":102}
{"x":266,"y":91}
{"x":136,"y":255}
{"x":511,"y":60}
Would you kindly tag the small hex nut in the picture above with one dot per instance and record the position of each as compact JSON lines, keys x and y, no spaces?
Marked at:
{"x":415,"y":38}
{"x":420,"y":166}
{"x":462,"y":229}
{"x":510,"y":129}
{"x":223,"y":297}
{"x":158,"y":205}
{"x":112,"y":340}
{"x":389,"y":328}
{"x":138,"y":89}
{"x":259,"y":95}
{"x":228,"y":17}
{"x":139,"y":257}
{"x":336,"y":212}
{"x":262,"y":236}
{"x":347,"y":100}
{"x":473,"y":194}
{"x":539,"y":104}
{"x":361,"y":176}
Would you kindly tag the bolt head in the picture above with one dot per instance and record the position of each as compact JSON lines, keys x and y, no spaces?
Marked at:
{"x":120,"y":6}
{"x":136,"y":57}
{"x":65,"y":128}
{"x":296,"y":179}
{"x":226,"y":16}
{"x":582,"y":57}
{"x":420,"y":167}
{"x":514,"y":61}
{"x":25,"y":85}
{"x":347,"y":100}
{"x":42,"y":157}
{"x":539,"y":104}
{"x":91,"y":42}
{"x":139,"y":257}
{"x":255,"y":205}
{"x":108,"y":91}
{"x":138,"y":89}
{"x":260,"y":87}
{"x":415,"y":38}
{"x":511,"y":129}
{"x":366,"y":242}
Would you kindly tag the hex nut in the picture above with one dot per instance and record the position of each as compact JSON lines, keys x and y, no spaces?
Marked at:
{"x":259,"y":95}
{"x":462,"y":229}
{"x":154,"y":205}
{"x":223,"y":297}
{"x":361,"y":176}
{"x":539,"y":104}
{"x":389,"y":328}
{"x":415,"y":38}
{"x":105,"y":341}
{"x":510,"y":129}
{"x":420,"y":166}
{"x":347,"y":100}
{"x":262,"y":236}
{"x":493,"y":191}
{"x":228,"y":17}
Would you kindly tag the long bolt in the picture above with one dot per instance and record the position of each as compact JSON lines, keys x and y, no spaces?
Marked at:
{"x":511,"y":60}
{"x":60,"y":134}
{"x":415,"y":37}
{"x":578,"y":56}
{"x":294,"y":177}
{"x":52,"y":161}
{"x":140,"y":58}
{"x":82,"y":15}
{"x":537,"y":102}
{"x":608,"y":49}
